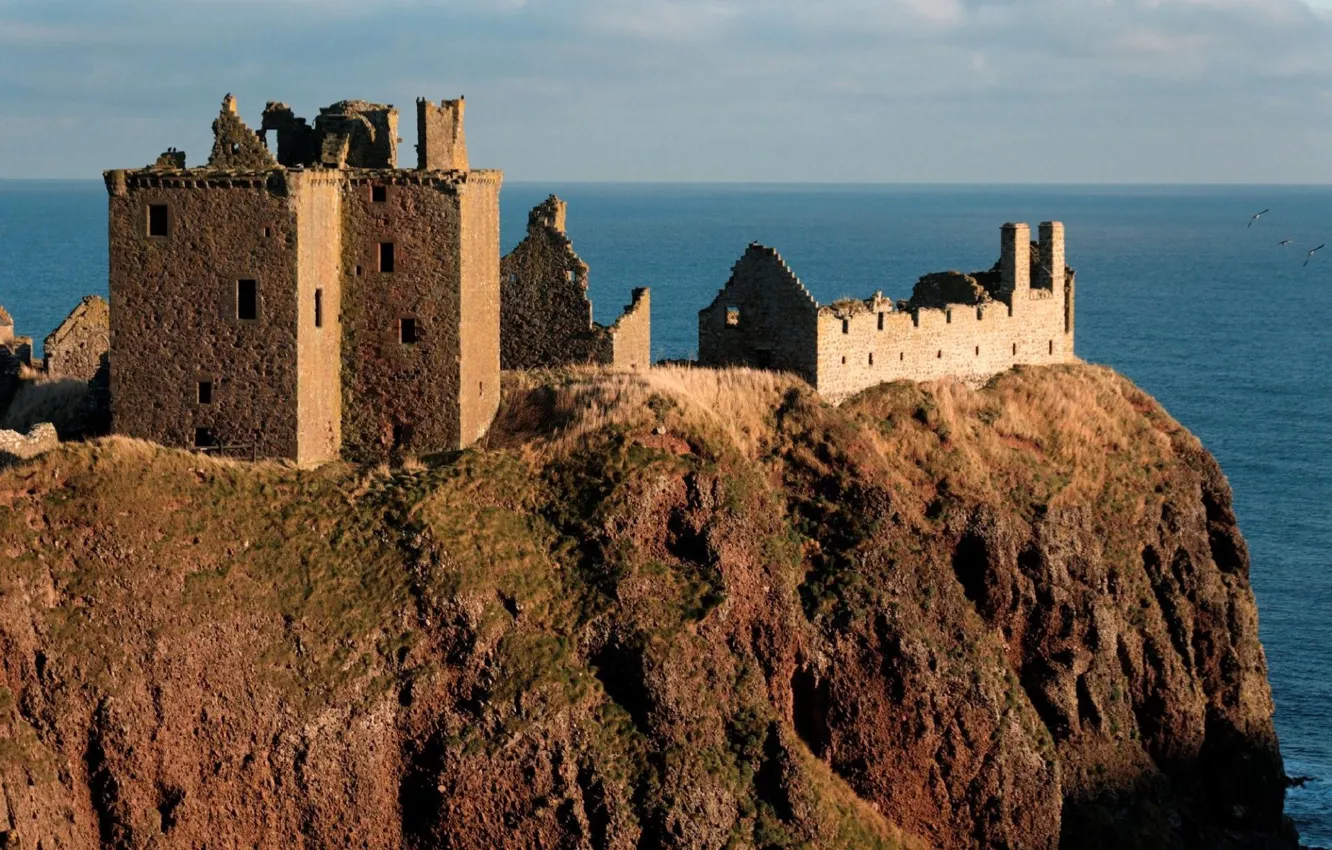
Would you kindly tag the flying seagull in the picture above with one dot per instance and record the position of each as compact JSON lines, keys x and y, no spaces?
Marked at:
{"x":1311,"y":253}
{"x":1257,"y":216}
{"x":1284,"y":242}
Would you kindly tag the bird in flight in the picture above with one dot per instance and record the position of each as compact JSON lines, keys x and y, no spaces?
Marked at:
{"x":1257,"y":216}
{"x":1284,"y":242}
{"x":1309,"y":256}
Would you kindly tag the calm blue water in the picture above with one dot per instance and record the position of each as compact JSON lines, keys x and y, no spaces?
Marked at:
{"x":1215,"y":320}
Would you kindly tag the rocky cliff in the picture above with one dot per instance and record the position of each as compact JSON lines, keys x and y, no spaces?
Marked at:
{"x":686,"y":609}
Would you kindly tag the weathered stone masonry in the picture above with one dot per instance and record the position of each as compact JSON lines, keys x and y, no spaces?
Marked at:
{"x":546,"y":313}
{"x":316,"y":304}
{"x":1019,"y":312}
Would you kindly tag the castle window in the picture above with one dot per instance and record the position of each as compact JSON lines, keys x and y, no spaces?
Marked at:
{"x":939,"y":355}
{"x":379,"y":194}
{"x":843,"y":359}
{"x":1052,"y":346}
{"x":268,"y":232}
{"x":978,"y":351}
{"x":881,"y":321}
{"x":1015,"y":349}
{"x":948,"y":316}
{"x":407,"y":332}
{"x":205,"y":392}
{"x":386,"y":258}
{"x":871,"y":358}
{"x":247,"y":300}
{"x":319,"y":308}
{"x":846,"y":326}
{"x":402,"y":436}
{"x":158,"y":220}
{"x":901,"y":355}
{"x":732,"y":317}
{"x":205,"y":438}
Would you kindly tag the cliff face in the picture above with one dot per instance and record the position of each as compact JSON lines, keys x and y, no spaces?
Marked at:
{"x":675,"y":610}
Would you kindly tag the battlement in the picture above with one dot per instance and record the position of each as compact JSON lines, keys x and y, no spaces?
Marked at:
{"x":962,"y":325}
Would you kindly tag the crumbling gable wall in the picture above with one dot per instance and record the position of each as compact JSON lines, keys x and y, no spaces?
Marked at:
{"x":77,"y":349}
{"x":235,"y":146}
{"x":764,"y":318}
{"x":546,"y":315}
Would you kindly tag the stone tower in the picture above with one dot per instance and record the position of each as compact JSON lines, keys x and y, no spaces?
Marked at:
{"x":317,"y":304}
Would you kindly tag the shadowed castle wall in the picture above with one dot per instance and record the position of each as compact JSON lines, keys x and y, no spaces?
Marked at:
{"x":174,"y":319}
{"x":764,"y":317}
{"x":402,"y":395}
{"x":546,"y":316}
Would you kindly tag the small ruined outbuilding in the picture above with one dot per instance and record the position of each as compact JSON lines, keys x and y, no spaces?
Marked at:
{"x":15,"y":356}
{"x":545,"y":312}
{"x":317,"y":303}
{"x":967,"y":326}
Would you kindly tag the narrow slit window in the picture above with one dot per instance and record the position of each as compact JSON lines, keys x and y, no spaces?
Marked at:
{"x":846,"y":326}
{"x":871,"y":358}
{"x":1015,"y":349}
{"x":939,"y":356}
{"x":843,"y":359}
{"x":205,"y":392}
{"x":387,"y":260}
{"x":319,"y":308}
{"x":880,"y":321}
{"x":978,"y":351}
{"x":1052,"y":346}
{"x":247,"y":300}
{"x":158,"y":220}
{"x":379,"y":194}
{"x":901,"y":355}
{"x":402,"y":436}
{"x":408,"y":334}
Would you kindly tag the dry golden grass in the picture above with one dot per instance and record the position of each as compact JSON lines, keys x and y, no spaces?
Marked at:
{"x":1084,"y":428}
{"x":562,"y":407}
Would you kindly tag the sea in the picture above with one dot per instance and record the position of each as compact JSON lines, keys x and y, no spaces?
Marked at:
{"x":1179,"y":288}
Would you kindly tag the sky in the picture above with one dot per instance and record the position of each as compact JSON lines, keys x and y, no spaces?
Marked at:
{"x":966,"y":91}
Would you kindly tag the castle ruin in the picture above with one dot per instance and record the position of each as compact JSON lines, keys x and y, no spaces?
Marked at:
{"x":969,"y":326}
{"x":319,"y":303}
{"x":546,"y":316}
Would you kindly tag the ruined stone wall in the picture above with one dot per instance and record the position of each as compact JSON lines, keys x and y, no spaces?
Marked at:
{"x":78,"y":347}
{"x":631,"y":335}
{"x":764,"y":317}
{"x":547,"y":316}
{"x":16,"y":447}
{"x":174,"y":320}
{"x":859,"y":350}
{"x":316,"y":197}
{"x":761,"y":319}
{"x":395,"y":394}
{"x":480,"y":289}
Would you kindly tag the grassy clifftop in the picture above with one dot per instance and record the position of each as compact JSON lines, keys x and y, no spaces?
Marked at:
{"x":680,"y":609}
